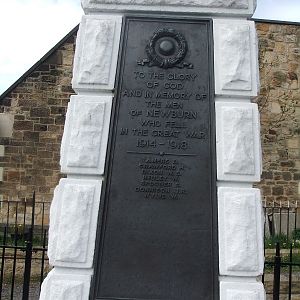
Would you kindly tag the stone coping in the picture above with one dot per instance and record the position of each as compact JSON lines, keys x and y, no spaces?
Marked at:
{"x":213,"y":7}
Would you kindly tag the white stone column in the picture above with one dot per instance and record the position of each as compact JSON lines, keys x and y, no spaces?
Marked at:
{"x":74,"y":211}
{"x":240,"y":217}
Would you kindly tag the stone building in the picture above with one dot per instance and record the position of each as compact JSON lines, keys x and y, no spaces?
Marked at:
{"x":279,"y":102}
{"x":32,"y":115}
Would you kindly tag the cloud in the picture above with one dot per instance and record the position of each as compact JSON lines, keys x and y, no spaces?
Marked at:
{"x":284,"y":10}
{"x":29,"y":29}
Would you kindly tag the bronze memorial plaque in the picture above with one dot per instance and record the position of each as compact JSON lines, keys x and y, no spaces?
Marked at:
{"x":157,"y":236}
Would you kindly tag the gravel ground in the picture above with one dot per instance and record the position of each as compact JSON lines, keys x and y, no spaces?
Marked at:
{"x":33,"y":293}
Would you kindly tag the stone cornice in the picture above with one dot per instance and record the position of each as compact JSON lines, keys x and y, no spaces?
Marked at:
{"x":209,"y":7}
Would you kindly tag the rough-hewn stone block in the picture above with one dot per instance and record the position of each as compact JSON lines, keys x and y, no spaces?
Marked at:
{"x":85,"y":137}
{"x":39,"y":112}
{"x":242,"y":290}
{"x":240,"y":232}
{"x":39,"y":127}
{"x":236,"y":62}
{"x":218,"y":7}
{"x":23,"y":125}
{"x":60,"y":120}
{"x":47,"y":121}
{"x":238,"y":142}
{"x":62,"y":285}
{"x":73,"y":222}
{"x":277,"y":190}
{"x":96,"y":52}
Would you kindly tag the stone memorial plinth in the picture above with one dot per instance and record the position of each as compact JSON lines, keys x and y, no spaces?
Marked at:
{"x":161,"y":147}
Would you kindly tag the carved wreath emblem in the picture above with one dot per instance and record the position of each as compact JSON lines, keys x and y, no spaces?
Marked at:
{"x":167,"y":48}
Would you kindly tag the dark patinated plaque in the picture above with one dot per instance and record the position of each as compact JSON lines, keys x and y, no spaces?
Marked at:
{"x":157,"y":238}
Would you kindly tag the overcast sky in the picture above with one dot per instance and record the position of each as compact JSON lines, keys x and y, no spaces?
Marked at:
{"x":30,"y":28}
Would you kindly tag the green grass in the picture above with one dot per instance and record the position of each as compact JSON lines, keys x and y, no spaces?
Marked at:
{"x":283,"y":240}
{"x":284,"y":258}
{"x":10,"y":241}
{"x":285,"y":243}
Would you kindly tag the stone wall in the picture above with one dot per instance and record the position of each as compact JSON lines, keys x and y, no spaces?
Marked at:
{"x":30,"y":159}
{"x":279,"y":104}
{"x":238,"y":155}
{"x":30,"y":156}
{"x":38,"y":105}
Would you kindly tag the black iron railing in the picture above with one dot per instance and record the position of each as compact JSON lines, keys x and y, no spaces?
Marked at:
{"x":23,"y":246}
{"x":282,"y":251}
{"x":24,"y":262}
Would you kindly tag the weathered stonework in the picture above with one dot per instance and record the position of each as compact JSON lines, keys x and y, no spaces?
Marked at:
{"x":279,"y":105}
{"x":241,"y":290}
{"x":238,"y":142}
{"x":58,"y":286}
{"x":240,"y":232}
{"x":85,"y":136}
{"x":238,"y":148}
{"x":96,"y":73}
{"x":218,"y":7}
{"x":73,"y":222}
{"x":38,"y":106}
{"x":240,"y":218}
{"x":74,"y":210}
{"x":95,"y":60}
{"x":34,"y":164}
{"x":236,"y":64}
